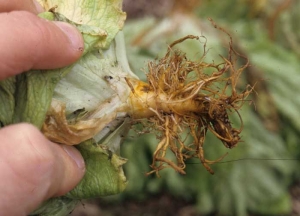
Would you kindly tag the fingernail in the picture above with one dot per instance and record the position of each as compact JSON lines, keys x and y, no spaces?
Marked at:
{"x":72,"y":33}
{"x":75,"y":155}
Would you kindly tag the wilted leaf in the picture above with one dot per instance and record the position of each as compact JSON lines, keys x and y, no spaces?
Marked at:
{"x":57,"y":128}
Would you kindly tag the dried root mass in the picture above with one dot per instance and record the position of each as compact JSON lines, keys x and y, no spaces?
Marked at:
{"x":184,"y":96}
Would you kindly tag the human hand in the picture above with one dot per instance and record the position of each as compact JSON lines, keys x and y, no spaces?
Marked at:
{"x":29,"y":42}
{"x":32,"y":168}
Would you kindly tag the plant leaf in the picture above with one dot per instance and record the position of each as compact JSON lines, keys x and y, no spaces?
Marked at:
{"x":60,"y":206}
{"x":7,"y":101}
{"x":104,"y":14}
{"x":105,"y":175}
{"x":34,"y":94}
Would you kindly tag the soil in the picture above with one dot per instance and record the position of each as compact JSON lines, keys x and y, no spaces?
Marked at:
{"x":142,"y":8}
{"x":163,"y":205}
{"x":295,"y":193}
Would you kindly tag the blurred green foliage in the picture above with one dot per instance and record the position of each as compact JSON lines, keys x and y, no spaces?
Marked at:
{"x":259,"y":182}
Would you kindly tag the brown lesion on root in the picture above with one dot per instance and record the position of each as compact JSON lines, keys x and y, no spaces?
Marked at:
{"x":180,"y":97}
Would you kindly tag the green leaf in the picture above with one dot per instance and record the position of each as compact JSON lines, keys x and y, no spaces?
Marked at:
{"x":96,"y":14}
{"x":104,"y":174}
{"x":7,"y":101}
{"x":34,"y":94}
{"x":60,"y":206}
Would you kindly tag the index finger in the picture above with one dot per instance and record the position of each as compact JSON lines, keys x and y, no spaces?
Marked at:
{"x":29,"y":42}
{"x":25,"y":5}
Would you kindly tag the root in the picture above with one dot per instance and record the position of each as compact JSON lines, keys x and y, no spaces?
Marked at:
{"x":182,"y":97}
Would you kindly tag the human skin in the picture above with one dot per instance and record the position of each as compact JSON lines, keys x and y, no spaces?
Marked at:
{"x":33,"y":169}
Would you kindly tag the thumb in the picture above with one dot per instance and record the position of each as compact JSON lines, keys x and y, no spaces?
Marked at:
{"x":34,"y":169}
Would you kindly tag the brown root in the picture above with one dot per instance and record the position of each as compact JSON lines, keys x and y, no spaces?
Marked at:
{"x":183,"y":96}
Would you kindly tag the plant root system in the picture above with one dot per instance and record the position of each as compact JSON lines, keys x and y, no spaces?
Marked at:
{"x":184,"y":99}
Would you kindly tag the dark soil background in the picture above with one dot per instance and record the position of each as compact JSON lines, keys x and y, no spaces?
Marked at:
{"x":162,"y":205}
